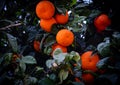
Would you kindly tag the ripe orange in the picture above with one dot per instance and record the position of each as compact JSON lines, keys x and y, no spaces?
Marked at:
{"x":89,"y":62}
{"x":65,"y":37}
{"x":45,"y":9}
{"x":36,"y":45}
{"x":47,"y":24}
{"x":88,"y":78}
{"x":101,"y":22}
{"x":61,"y":18}
{"x":63,"y":48}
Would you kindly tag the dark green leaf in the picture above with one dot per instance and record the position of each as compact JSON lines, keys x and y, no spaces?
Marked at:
{"x":30,"y":80}
{"x":29,"y":60}
{"x":8,"y":58}
{"x":49,"y":63}
{"x":46,"y":81}
{"x":13,"y":42}
{"x":78,"y":83}
{"x":102,"y":63}
{"x":104,"y":49}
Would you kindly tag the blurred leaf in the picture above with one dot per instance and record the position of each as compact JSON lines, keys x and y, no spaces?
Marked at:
{"x":13,"y":42}
{"x":29,"y":60}
{"x":22,"y":66}
{"x":47,"y":50}
{"x":57,"y":51}
{"x":81,"y":5}
{"x":76,"y":25}
{"x":52,"y":77}
{"x":76,"y":56}
{"x":49,"y":63}
{"x":30,"y":80}
{"x":7,"y":58}
{"x":116,"y":35}
{"x":59,"y":56}
{"x":63,"y":75}
{"x":104,"y":49}
{"x":73,"y":2}
{"x":78,"y":83}
{"x":61,"y":10}
{"x":46,"y":81}
{"x":102,"y":63}
{"x":39,"y":68}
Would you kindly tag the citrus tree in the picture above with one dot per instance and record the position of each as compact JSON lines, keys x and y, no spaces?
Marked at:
{"x":66,"y":42}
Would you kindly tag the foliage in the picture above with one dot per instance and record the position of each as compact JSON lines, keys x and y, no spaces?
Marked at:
{"x":21,"y":64}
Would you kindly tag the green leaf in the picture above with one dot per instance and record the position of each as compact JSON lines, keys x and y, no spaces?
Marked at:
{"x":76,"y":56}
{"x":46,"y":81}
{"x":59,"y":56}
{"x":22,"y":66}
{"x":57,"y":51}
{"x":76,"y":25}
{"x":47,"y":50}
{"x":13,"y":42}
{"x":104,"y":49}
{"x":63,"y":74}
{"x":49,"y":63}
{"x":7,"y":58}
{"x":102,"y":63}
{"x":29,"y":60}
{"x":73,"y":2}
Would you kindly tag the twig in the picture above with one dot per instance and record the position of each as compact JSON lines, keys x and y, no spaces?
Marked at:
{"x":11,"y":25}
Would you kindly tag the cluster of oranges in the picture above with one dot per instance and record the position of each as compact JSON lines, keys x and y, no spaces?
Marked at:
{"x":46,"y":12}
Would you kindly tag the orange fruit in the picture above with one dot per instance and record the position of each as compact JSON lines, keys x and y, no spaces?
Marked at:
{"x":77,"y":79}
{"x":63,"y":48}
{"x":45,"y":9}
{"x":65,"y":37}
{"x":61,"y":18}
{"x":87,"y":78}
{"x":101,"y":22}
{"x":47,"y":24}
{"x":36,"y":45}
{"x":89,"y":62}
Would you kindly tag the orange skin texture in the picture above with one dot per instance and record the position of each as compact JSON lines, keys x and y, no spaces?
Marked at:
{"x":36,"y":45}
{"x":47,"y":24}
{"x":45,"y":9}
{"x":88,"y":78}
{"x":101,"y":22}
{"x":89,"y":62}
{"x":61,"y":18}
{"x":65,"y":37}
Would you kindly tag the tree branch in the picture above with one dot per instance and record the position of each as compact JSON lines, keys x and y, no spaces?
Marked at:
{"x":9,"y":26}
